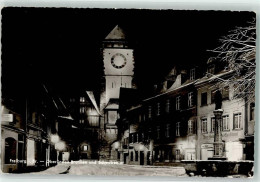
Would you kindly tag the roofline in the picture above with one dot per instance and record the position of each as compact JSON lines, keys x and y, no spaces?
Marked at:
{"x":199,"y":83}
{"x":169,"y":91}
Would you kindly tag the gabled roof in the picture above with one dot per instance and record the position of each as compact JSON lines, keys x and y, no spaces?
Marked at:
{"x":93,"y":100}
{"x":117,"y":33}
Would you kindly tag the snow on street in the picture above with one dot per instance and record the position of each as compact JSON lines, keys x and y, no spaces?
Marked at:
{"x":104,"y":169}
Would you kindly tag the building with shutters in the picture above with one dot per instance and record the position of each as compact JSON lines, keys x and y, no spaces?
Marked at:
{"x":162,"y":129}
{"x":237,"y":120}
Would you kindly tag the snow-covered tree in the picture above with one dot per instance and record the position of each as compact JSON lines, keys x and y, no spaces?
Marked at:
{"x":238,"y":50}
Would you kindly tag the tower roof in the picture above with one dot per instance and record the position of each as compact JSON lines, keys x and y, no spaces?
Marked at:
{"x":116,"y":33}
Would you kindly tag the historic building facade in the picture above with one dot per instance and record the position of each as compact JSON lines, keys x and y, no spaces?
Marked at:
{"x":161,"y":130}
{"x":237,"y":118}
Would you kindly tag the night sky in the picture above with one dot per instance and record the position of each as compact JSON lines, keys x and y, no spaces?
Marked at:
{"x":60,"y":47}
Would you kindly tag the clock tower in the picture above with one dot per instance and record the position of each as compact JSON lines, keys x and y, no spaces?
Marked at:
{"x":118,"y":72}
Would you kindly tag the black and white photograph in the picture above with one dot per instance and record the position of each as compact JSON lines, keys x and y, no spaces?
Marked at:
{"x":128,"y":92}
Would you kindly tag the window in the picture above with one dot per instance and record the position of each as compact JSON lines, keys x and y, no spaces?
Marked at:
{"x":190,"y":99}
{"x":150,"y":112}
{"x":81,"y":121}
{"x":158,"y":109}
{"x":252,"y":111}
{"x":178,"y":129}
{"x":204,"y":126}
{"x":82,"y":110}
{"x":225,"y":125}
{"x":177,"y":154}
{"x":211,"y":69}
{"x":178,"y":99}
{"x":204,"y":99}
{"x":82,"y":99}
{"x":225,"y":93}
{"x":212,"y":124}
{"x":140,"y":118}
{"x":167,"y":131}
{"x":213,"y":93}
{"x":137,"y":137}
{"x":190,"y":127}
{"x":136,"y":155}
{"x":192,"y":74}
{"x":237,"y":121}
{"x":167,"y":107}
{"x":133,"y":138}
{"x":158,"y":132}
{"x":131,"y":156}
{"x":85,"y":148}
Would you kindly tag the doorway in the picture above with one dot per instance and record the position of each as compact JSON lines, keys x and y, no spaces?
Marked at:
{"x":141,"y":158}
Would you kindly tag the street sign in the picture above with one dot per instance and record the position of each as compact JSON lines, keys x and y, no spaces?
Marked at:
{"x":7,"y":117}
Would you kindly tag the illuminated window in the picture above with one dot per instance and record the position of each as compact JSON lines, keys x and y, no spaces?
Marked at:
{"x":82,"y":99}
{"x":85,"y":148}
{"x":82,"y":110}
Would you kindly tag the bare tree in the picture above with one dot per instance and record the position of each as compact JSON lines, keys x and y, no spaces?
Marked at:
{"x":238,"y":50}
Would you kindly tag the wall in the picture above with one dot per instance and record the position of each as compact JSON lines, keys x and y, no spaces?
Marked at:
{"x":232,"y":136}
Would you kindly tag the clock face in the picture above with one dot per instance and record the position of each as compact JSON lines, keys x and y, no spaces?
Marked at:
{"x":118,"y":60}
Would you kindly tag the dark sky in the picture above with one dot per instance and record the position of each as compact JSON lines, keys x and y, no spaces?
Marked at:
{"x":61,"y":47}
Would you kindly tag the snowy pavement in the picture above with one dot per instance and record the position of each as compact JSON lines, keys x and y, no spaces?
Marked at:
{"x":104,"y":169}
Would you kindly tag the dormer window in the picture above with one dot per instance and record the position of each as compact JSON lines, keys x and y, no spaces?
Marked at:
{"x":192,"y":74}
{"x":211,"y":69}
